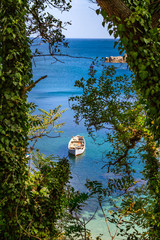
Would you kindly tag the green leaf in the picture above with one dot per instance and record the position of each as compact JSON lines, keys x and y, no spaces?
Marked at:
{"x":143,"y":74}
{"x":42,"y":110}
{"x":103,"y":23}
{"x":134,"y":54}
{"x":110,"y":32}
{"x":124,"y":41}
{"x":9,"y":30}
{"x":147,"y":41}
{"x":98,"y":11}
{"x":121,"y":27}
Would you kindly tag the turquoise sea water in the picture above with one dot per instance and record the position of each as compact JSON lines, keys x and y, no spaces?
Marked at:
{"x":55,"y":90}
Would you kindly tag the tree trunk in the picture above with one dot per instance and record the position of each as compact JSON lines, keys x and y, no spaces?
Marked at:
{"x":119,"y":9}
{"x":115,"y":8}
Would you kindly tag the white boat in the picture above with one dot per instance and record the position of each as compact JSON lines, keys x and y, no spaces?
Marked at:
{"x":76,"y":145}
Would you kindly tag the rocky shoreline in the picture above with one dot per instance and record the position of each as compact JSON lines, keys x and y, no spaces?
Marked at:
{"x":118,"y":59}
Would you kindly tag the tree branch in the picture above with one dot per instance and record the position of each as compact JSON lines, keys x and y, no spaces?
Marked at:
{"x":115,"y":8}
{"x":155,"y":19}
{"x":43,"y":135}
{"x":32,"y":85}
{"x":106,"y":220}
{"x":60,"y":55}
{"x":137,"y":135}
{"x":119,"y":9}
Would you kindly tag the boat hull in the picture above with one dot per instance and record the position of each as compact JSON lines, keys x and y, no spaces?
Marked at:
{"x":76,"y":145}
{"x":76,"y":152}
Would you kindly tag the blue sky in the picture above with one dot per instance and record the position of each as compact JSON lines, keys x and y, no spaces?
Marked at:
{"x":85,"y":22}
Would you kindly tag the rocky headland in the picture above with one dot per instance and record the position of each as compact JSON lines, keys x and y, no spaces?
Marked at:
{"x":118,"y":59}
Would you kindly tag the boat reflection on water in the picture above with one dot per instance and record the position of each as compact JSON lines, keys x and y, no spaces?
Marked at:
{"x":76,"y":158}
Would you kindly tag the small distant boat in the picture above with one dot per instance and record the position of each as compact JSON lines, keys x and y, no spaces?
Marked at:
{"x":76,"y":145}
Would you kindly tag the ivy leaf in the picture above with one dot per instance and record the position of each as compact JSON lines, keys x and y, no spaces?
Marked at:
{"x":121,"y":27}
{"x":143,"y":74}
{"x":9,"y":30}
{"x":134,"y":54}
{"x":147,"y":41}
{"x":98,"y":11}
{"x":125,"y":41}
{"x":103,"y":23}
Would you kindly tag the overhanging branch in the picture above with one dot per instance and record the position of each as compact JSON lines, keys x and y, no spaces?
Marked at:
{"x":31,"y":85}
{"x":155,"y":19}
{"x":115,"y":8}
{"x":119,"y":9}
{"x":61,"y":55}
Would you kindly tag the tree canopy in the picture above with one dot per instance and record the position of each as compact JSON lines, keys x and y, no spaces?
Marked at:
{"x":130,"y":108}
{"x":110,"y":103}
{"x":137,"y":24}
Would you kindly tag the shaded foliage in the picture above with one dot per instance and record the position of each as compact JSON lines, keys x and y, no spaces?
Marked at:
{"x":16,"y":72}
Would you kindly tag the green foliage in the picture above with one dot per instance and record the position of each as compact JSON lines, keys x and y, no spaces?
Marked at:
{"x":35,"y":197}
{"x":142,"y":44}
{"x":16,"y":72}
{"x":104,"y":90}
{"x":43,"y":124}
{"x":110,"y":103}
{"x":46,"y":199}
{"x":36,"y":201}
{"x":139,"y":37}
{"x":46,"y":27}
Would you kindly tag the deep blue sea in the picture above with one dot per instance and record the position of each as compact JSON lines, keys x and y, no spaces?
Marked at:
{"x":55,"y":90}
